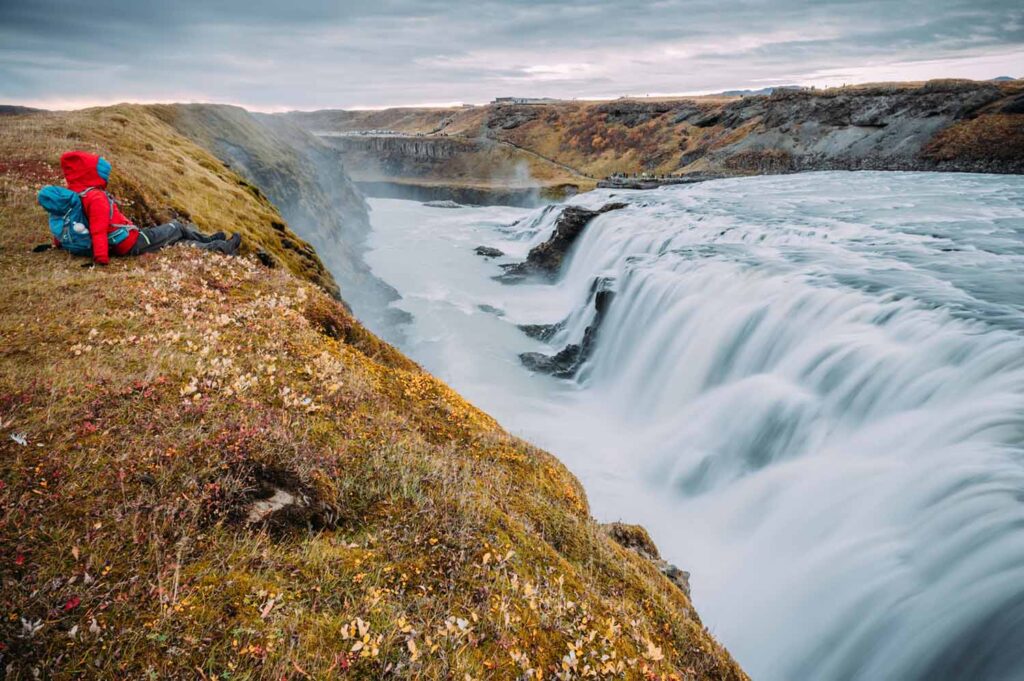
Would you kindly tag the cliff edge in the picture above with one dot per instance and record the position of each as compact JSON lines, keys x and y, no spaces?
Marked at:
{"x":210,"y":469}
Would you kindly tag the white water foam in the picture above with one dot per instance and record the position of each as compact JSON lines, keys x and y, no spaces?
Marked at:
{"x":810,"y":388}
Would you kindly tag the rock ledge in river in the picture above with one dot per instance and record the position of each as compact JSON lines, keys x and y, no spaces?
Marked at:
{"x":546,"y":258}
{"x":567,"y":362}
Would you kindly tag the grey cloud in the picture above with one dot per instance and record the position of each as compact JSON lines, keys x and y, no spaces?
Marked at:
{"x":317,"y":53}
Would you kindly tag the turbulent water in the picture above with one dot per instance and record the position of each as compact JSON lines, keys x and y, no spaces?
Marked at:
{"x":810,"y":388}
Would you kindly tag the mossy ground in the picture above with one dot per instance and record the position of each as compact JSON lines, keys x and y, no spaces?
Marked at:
{"x":145,"y":406}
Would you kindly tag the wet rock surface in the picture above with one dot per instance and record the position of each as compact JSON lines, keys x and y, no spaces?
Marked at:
{"x":542,"y":332}
{"x":567,"y":362}
{"x":490,"y":309}
{"x":546,"y":259}
{"x":489,"y":251}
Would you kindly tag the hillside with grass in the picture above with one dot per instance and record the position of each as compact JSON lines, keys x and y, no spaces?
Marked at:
{"x":949,"y":125}
{"x":306,"y":181}
{"x":210,"y":469}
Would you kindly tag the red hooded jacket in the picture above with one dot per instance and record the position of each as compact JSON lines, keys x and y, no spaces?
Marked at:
{"x":82,"y":171}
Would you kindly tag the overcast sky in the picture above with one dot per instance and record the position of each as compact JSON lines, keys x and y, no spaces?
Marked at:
{"x":305,"y":54}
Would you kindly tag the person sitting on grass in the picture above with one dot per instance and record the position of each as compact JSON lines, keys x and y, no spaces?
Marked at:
{"x":86,"y":220}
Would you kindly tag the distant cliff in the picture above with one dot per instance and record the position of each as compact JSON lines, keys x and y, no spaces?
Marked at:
{"x":468,"y":170}
{"x":380,"y":157}
{"x":939,"y":125}
{"x":881,"y":128}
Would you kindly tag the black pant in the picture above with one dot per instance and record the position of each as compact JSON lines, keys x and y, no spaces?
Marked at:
{"x":154,"y":238}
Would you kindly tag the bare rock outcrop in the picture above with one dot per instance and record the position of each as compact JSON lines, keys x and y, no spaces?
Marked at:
{"x":546,"y":259}
{"x":635,"y":538}
{"x":876,"y":128}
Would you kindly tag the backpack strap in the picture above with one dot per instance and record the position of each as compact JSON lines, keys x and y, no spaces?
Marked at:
{"x":121,"y":233}
{"x":110,"y":199}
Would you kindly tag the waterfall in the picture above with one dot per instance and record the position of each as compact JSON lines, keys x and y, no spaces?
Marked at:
{"x":814,"y":387}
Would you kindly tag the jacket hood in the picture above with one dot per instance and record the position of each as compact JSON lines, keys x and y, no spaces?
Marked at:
{"x":83,"y":170}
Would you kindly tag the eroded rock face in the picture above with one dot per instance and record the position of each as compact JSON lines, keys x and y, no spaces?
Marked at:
{"x":632,"y":114}
{"x":882,"y":128}
{"x":546,"y":258}
{"x":397,"y":150}
{"x":635,"y":538}
{"x":878,"y":107}
{"x":307,"y":182}
{"x":510,"y":117}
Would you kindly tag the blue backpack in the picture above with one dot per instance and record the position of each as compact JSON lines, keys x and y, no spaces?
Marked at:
{"x":68,"y":222}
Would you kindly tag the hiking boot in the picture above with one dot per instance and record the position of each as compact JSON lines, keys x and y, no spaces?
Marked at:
{"x":234,"y":242}
{"x":189,"y":231}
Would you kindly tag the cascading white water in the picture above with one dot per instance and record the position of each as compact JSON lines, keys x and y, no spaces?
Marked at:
{"x":810,"y":388}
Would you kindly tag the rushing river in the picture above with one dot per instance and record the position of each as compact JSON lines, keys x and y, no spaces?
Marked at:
{"x":810,"y":388}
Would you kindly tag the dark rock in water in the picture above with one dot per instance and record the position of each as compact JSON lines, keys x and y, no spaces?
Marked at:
{"x":544,"y":332}
{"x":444,"y":203}
{"x":562,"y":364}
{"x":566,"y":362}
{"x":546,"y":258}
{"x":489,"y":252}
{"x":490,"y":309}
{"x":643,"y":182}
{"x":513,"y":273}
{"x":635,"y":538}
